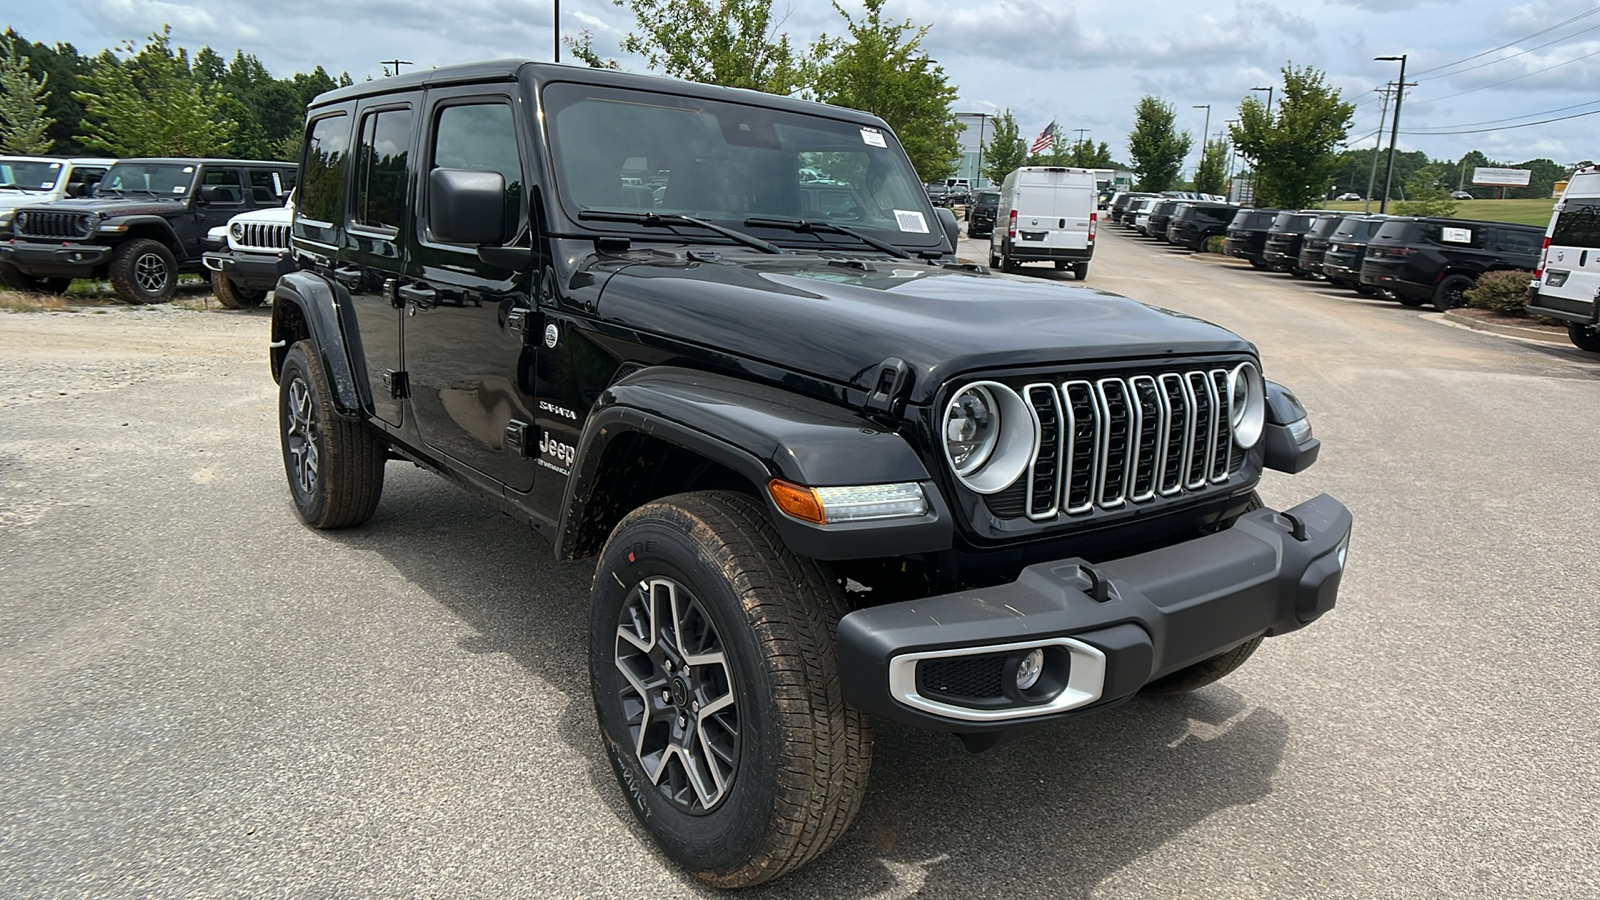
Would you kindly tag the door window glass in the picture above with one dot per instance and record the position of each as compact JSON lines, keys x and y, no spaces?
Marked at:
{"x":327,"y":149}
{"x":1518,"y":241}
{"x":380,"y":200}
{"x":223,"y":185}
{"x":269,"y":187}
{"x":482,"y":137}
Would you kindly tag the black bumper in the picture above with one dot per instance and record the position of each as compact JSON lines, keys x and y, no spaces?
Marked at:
{"x":251,"y":271}
{"x":1119,"y":624}
{"x":62,"y":258}
{"x":1242,"y":248}
{"x":1392,"y":278}
{"x":1025,"y":253}
{"x":1580,"y":312}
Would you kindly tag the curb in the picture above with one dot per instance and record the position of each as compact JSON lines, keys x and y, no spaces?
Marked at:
{"x":1527,"y":334}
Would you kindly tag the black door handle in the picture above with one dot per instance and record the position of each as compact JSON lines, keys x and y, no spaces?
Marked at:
{"x":348,"y":277}
{"x":420,"y":297}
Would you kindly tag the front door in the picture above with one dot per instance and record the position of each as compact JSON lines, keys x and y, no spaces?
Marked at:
{"x":372,"y":260}
{"x":468,"y":350}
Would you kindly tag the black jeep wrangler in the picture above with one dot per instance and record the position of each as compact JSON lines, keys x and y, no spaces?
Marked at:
{"x":145,"y":224}
{"x":827,"y":472}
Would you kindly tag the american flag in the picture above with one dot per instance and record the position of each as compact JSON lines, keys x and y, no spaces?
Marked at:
{"x":1045,"y":140}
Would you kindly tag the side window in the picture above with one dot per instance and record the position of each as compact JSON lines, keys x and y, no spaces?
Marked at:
{"x":224,"y":184}
{"x":481,"y":136}
{"x":86,"y":175}
{"x":1518,"y":241}
{"x":380,"y":190}
{"x":267,"y":186}
{"x":327,"y":150}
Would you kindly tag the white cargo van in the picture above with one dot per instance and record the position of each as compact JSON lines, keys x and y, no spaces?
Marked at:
{"x":1046,"y":214}
{"x":1567,"y":283}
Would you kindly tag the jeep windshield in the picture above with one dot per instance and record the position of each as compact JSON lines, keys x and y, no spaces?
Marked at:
{"x":626,"y":151}
{"x":168,"y":180}
{"x":28,"y":174}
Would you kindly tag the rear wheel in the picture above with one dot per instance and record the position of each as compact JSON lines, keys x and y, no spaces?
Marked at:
{"x":232,"y":296}
{"x":334,"y":465}
{"x":717,"y":691}
{"x":1584,"y":337}
{"x":143,"y":271}
{"x":1450,"y":294}
{"x":1081,"y":271}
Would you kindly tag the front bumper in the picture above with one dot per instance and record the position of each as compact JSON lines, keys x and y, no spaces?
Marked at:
{"x":1112,"y":628}
{"x":60,"y":258}
{"x":251,"y":271}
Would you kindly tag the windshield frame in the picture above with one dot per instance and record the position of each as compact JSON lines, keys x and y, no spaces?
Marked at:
{"x":180,"y":196}
{"x":557,"y":95}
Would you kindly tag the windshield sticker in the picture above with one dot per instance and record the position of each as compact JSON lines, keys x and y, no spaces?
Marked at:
{"x":55,"y":165}
{"x":178,"y":189}
{"x":873,"y":137}
{"x":1457,"y":235}
{"x":904,"y":273}
{"x":911,"y":220}
{"x":188,"y":169}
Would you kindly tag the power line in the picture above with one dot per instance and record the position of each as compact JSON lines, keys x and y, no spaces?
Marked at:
{"x":1519,"y":40}
{"x":1517,"y":54}
{"x":1542,"y":112}
{"x":1509,"y":80}
{"x":1592,"y":112}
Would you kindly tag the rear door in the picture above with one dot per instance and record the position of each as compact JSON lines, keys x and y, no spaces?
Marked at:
{"x":1053,"y":210}
{"x":1572,"y":262}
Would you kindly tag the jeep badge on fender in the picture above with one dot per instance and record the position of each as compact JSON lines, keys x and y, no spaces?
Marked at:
{"x":764,"y":376}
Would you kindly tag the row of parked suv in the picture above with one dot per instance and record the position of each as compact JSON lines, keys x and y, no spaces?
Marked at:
{"x":1414,"y":260}
{"x":140,"y":223}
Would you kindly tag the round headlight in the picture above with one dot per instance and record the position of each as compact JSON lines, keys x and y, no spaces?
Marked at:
{"x":237,"y":230}
{"x":971,"y":429}
{"x":989,"y":434}
{"x":1247,"y":404}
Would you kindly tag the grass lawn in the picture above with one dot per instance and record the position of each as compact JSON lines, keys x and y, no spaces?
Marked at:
{"x":1522,"y":212}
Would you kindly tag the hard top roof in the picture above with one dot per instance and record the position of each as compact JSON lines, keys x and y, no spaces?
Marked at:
{"x":510,"y":70}
{"x":204,"y":160}
{"x":75,"y":160}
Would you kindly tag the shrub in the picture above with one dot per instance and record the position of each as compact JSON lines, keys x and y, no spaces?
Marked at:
{"x":1214,"y":244}
{"x":1504,"y":291}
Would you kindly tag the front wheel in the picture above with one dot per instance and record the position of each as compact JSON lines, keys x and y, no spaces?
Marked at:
{"x":716,"y":686}
{"x":334,"y":465}
{"x":1584,"y":337}
{"x":1451,"y":293}
{"x":143,"y":271}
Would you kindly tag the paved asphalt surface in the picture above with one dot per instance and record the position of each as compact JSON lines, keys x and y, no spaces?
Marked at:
{"x":199,"y":697}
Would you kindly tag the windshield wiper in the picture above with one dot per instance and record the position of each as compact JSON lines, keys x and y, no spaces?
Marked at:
{"x":14,"y":187}
{"x":808,"y":226}
{"x":668,"y":220}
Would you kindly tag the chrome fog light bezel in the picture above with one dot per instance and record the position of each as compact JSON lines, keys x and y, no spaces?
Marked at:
{"x":1084,"y":681}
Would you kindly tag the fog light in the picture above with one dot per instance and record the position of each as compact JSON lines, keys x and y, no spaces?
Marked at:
{"x":1029,"y":670}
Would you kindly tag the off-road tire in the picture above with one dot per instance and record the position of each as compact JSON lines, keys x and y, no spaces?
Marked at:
{"x":1584,"y":337}
{"x":18,"y":280}
{"x":143,"y":271}
{"x":800,"y":770}
{"x":1447,"y":295}
{"x":1202,"y":673}
{"x":1081,"y":271}
{"x":348,"y":456}
{"x":231,"y":296}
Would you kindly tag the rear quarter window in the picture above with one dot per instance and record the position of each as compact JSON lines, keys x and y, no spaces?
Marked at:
{"x":1523,"y":242}
{"x":1578,"y":225}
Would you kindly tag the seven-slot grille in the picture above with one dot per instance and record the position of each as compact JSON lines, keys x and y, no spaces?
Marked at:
{"x":263,"y":236}
{"x":1108,"y":442}
{"x":36,"y":223}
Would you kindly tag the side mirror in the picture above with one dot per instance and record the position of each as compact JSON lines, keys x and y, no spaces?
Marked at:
{"x":466,"y":206}
{"x":952,"y":228}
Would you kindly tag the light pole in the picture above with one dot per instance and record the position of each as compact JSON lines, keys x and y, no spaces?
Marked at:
{"x":1204,"y":136}
{"x":1394,"y":129}
{"x":1232,"y":150}
{"x":556,"y":23}
{"x":1268,"y":89}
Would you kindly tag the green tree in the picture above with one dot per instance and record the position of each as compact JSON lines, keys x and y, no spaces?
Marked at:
{"x":582,"y":50}
{"x":1005,"y":151}
{"x":1294,"y":146}
{"x":882,"y":69}
{"x":1210,"y":176}
{"x":61,"y":65}
{"x":151,"y":105}
{"x":1156,"y":147}
{"x":1428,"y":193}
{"x":1085,"y":154}
{"x":736,"y":43}
{"x":23,"y":123}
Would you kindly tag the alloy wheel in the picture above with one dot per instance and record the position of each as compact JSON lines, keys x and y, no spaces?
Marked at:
{"x":150,"y":270}
{"x":302,"y":436}
{"x":678,"y":699}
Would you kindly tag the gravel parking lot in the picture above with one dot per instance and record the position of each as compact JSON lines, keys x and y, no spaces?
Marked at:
{"x":200,"y":697}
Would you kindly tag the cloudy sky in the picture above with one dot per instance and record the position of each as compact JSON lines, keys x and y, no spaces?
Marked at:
{"x":1484,"y":66}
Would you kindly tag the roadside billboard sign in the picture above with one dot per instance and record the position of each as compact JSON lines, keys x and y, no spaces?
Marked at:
{"x":1501,"y":177}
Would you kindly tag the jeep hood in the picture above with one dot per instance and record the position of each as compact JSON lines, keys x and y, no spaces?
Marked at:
{"x":834,"y":320}
{"x":112,"y":207}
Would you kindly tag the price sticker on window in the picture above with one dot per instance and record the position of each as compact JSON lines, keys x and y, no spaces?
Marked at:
{"x":1456,"y":235}
{"x":911,"y":220}
{"x":872,"y":137}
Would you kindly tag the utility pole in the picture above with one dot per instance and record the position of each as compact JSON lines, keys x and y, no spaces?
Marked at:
{"x":396,"y":63}
{"x":556,"y":25}
{"x":1232,"y":152}
{"x":1204,"y":136}
{"x":983,"y":119}
{"x":1394,"y":128}
{"x":1372,"y":179}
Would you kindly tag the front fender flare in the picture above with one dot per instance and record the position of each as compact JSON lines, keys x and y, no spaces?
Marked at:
{"x":762,"y":432}
{"x":319,"y":309}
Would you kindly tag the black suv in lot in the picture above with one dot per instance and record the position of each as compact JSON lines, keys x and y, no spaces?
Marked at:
{"x":981,"y":213}
{"x":1199,"y":222}
{"x":1436,"y":259}
{"x":826,"y":472}
{"x":1160,"y":216}
{"x":1120,"y":203}
{"x":1314,"y":246}
{"x":1247,"y":235}
{"x":145,"y":224}
{"x":1281,"y":250}
{"x":1347,"y":249}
